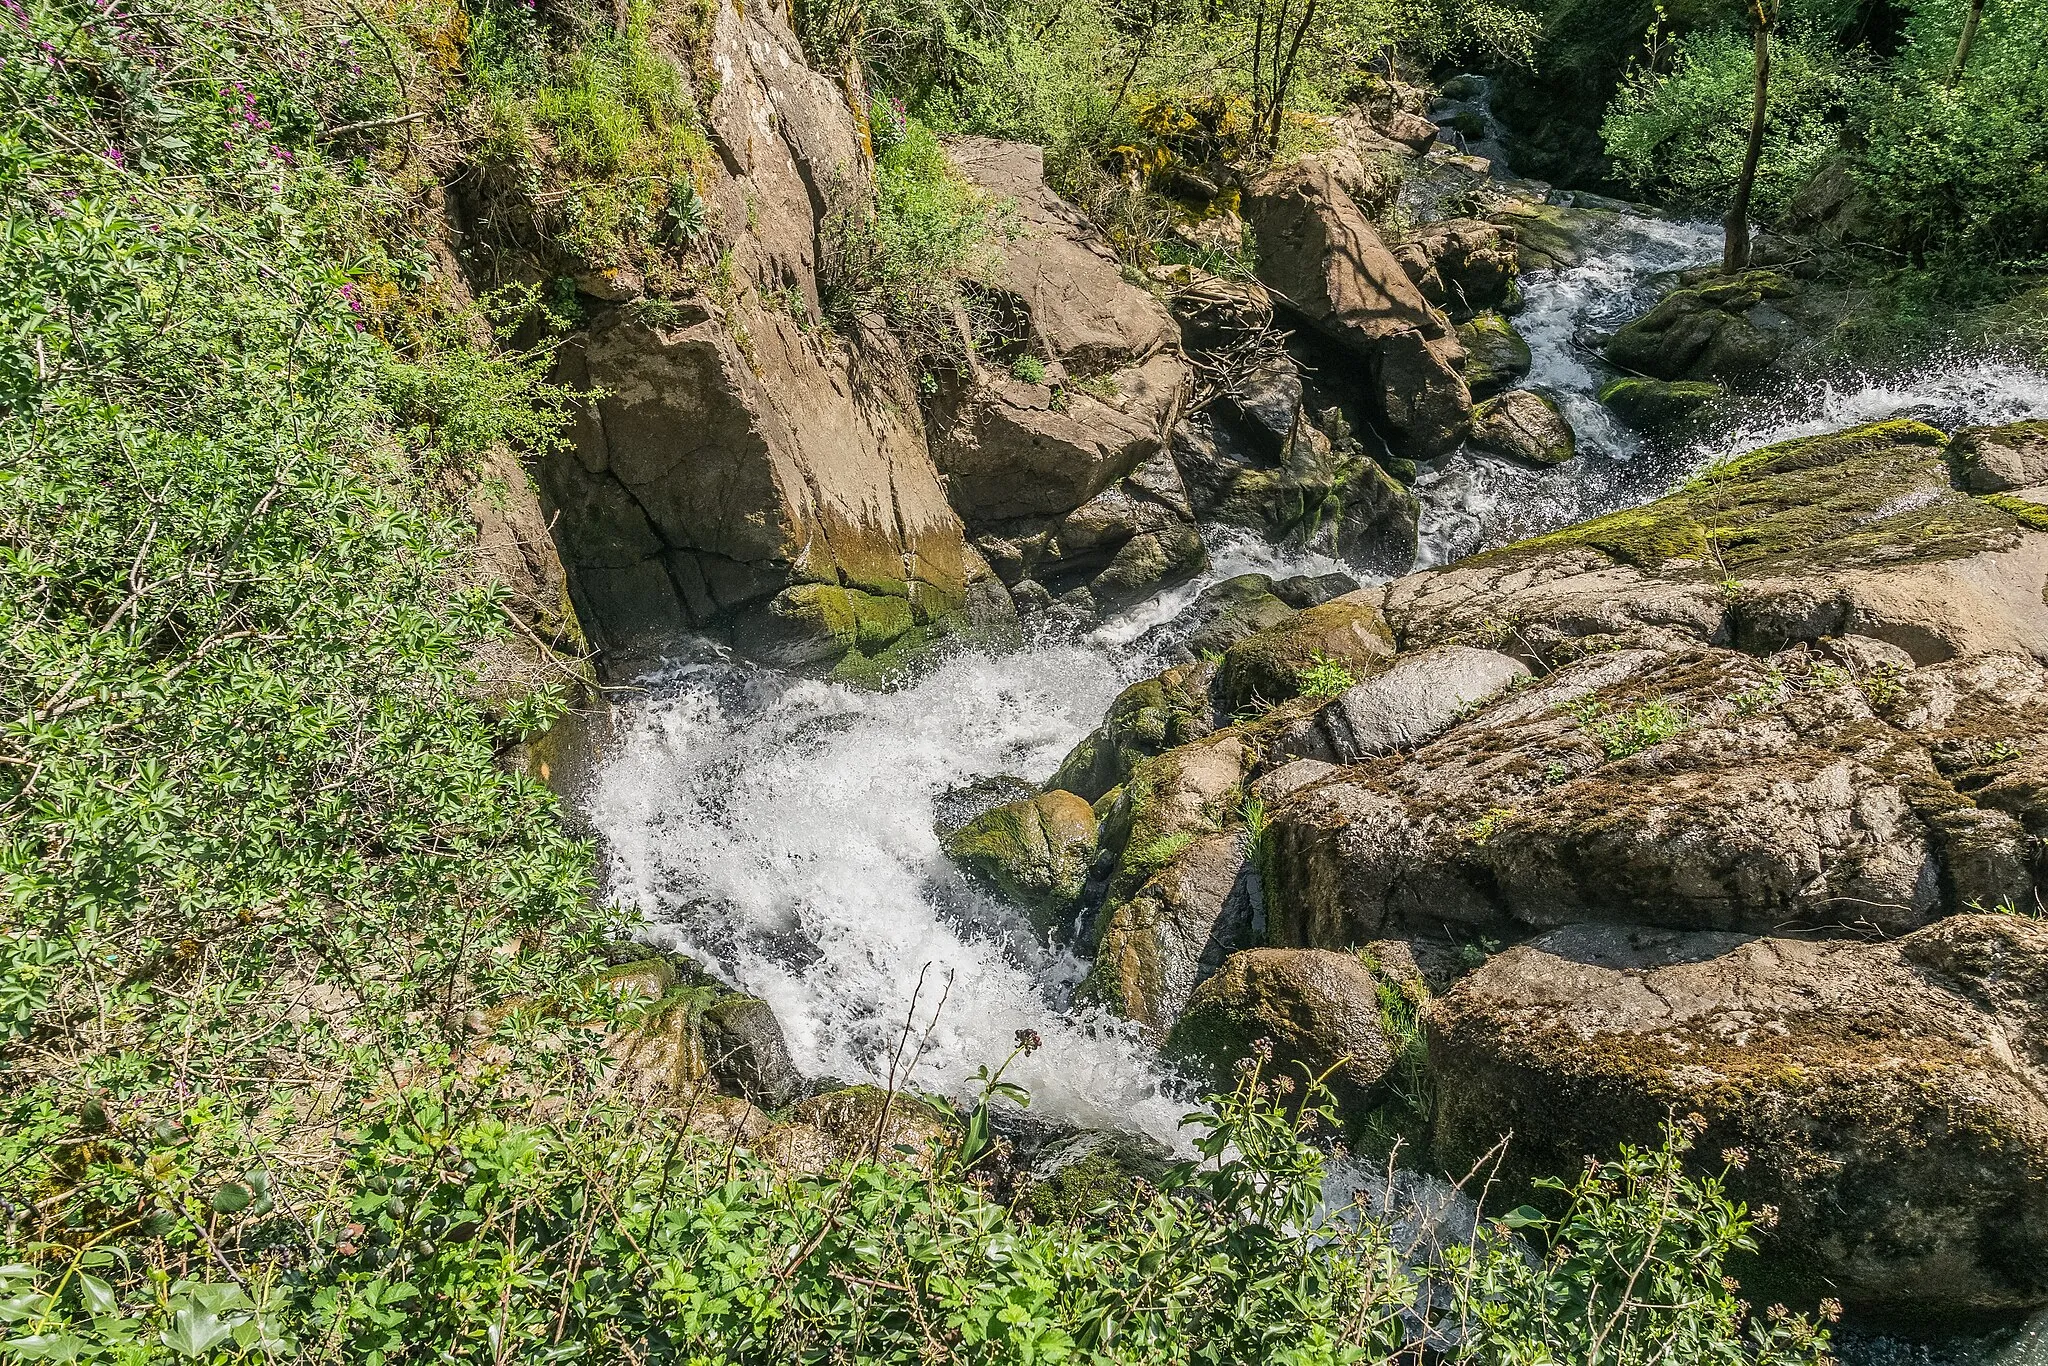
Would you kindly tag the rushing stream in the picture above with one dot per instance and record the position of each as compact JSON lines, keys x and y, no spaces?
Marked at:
{"x":781,"y":829}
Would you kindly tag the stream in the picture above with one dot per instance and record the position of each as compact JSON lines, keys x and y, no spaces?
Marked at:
{"x":780,"y":828}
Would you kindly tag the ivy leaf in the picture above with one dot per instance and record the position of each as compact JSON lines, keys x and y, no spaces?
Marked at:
{"x":195,"y":1331}
{"x":99,"y":1296}
{"x":47,"y":1347}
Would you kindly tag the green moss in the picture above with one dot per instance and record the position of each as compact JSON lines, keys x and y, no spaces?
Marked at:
{"x":1655,"y":402}
{"x":1817,"y":500}
{"x":2033,"y":516}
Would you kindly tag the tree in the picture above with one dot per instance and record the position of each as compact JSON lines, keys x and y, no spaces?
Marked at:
{"x":1967,"y":41}
{"x":1276,"y":46}
{"x":1763,"y":16}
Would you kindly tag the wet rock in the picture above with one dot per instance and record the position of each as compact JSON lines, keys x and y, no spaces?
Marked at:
{"x":1035,"y":852}
{"x":1724,"y":329}
{"x":1150,"y":717}
{"x":1313,"y":590}
{"x":1266,"y":669}
{"x":836,"y":1129}
{"x":1230,"y":611}
{"x":2000,"y":459}
{"x":1653,"y":403}
{"x":1523,"y":425}
{"x":1496,"y":357}
{"x":1319,"y":1010}
{"x":744,"y":1049}
{"x":956,"y":806}
{"x":1551,"y":236}
{"x":1888,"y":1096}
{"x":1462,"y":265}
{"x":1321,"y":255}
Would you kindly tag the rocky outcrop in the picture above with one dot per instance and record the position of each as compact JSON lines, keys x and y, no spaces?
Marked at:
{"x":1150,"y":717}
{"x":1318,"y":1011}
{"x":1036,"y":852}
{"x":1889,"y":1100}
{"x":1523,"y":425}
{"x":1052,"y":441}
{"x":1416,"y":699}
{"x":1691,"y":789}
{"x":1323,"y":259}
{"x":741,"y":469}
{"x":1858,"y":532}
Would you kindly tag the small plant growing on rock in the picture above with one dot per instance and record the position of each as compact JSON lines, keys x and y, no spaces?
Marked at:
{"x":1634,"y":731}
{"x":1488,"y":825}
{"x":1325,"y":677}
{"x":1881,"y":686}
{"x":1029,"y":369}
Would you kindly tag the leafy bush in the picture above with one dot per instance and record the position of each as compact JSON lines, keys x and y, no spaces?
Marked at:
{"x":1325,"y":677}
{"x":1682,"y":131}
{"x":906,"y":256}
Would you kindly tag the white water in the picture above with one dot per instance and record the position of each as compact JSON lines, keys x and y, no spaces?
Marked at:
{"x":781,"y":830}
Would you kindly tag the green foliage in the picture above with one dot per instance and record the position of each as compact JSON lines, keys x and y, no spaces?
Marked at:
{"x":598,"y":128}
{"x":1681,"y":131}
{"x":905,"y":257}
{"x":1632,"y":731}
{"x":1325,"y":677}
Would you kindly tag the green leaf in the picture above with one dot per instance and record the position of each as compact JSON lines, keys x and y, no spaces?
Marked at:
{"x":99,"y":1296}
{"x":195,"y":1331}
{"x":47,"y":1347}
{"x":232,"y":1198}
{"x":1524,"y":1217}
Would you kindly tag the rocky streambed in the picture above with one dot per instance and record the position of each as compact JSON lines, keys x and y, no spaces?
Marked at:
{"x":1442,"y":653}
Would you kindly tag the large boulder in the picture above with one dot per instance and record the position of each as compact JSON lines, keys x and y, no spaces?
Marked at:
{"x":737,"y":468}
{"x":1725,"y":328}
{"x":1654,"y":403}
{"x":1857,"y":532}
{"x":1417,"y":698}
{"x":1889,"y":1100}
{"x":1035,"y":852}
{"x":1691,"y":789}
{"x":1268,"y":668}
{"x":744,"y":1048}
{"x":1526,"y":426}
{"x":2001,"y":459}
{"x":1325,"y":261}
{"x":1319,"y":1011}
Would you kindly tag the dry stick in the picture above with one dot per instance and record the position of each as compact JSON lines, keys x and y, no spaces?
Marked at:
{"x":363,"y":125}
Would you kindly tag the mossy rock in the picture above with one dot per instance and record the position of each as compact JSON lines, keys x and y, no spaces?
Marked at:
{"x":1496,"y":357}
{"x":1269,"y":668}
{"x":2000,"y":459}
{"x":1871,"y":495}
{"x":1080,"y":1179}
{"x":1654,"y":403}
{"x":834,"y":1129}
{"x":1704,"y":331}
{"x":1524,"y":425}
{"x":1149,"y":717}
{"x":1035,"y":852}
{"x":1228,"y":612}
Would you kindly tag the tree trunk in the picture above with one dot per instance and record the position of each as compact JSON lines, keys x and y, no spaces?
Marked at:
{"x":1735,"y":242}
{"x":1967,"y":41}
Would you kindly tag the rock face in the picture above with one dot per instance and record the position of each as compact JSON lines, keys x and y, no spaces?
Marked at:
{"x":1036,"y":852}
{"x":1892,"y":1097}
{"x":1693,"y":789}
{"x":1721,"y":329}
{"x":1858,"y":532}
{"x":1462,"y":265}
{"x":1523,"y":425}
{"x":1417,"y":698}
{"x":743,"y":471}
{"x":743,"y":1046}
{"x":1053,"y":445}
{"x":1321,"y":256}
{"x":1320,"y":1011}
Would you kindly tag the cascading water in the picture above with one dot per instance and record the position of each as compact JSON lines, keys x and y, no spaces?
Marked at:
{"x":782,"y":830}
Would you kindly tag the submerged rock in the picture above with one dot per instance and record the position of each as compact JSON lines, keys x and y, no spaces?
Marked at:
{"x":1887,"y":1098}
{"x":1652,"y":403}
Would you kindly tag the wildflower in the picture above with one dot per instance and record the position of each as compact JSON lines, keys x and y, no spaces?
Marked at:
{"x":1737,"y":1158}
{"x":1831,"y":1309}
{"x":1028,"y":1040}
{"x":1263,"y":1048}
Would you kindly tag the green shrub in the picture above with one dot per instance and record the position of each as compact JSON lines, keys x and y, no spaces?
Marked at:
{"x":1682,"y":131}
{"x":1325,"y":677}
